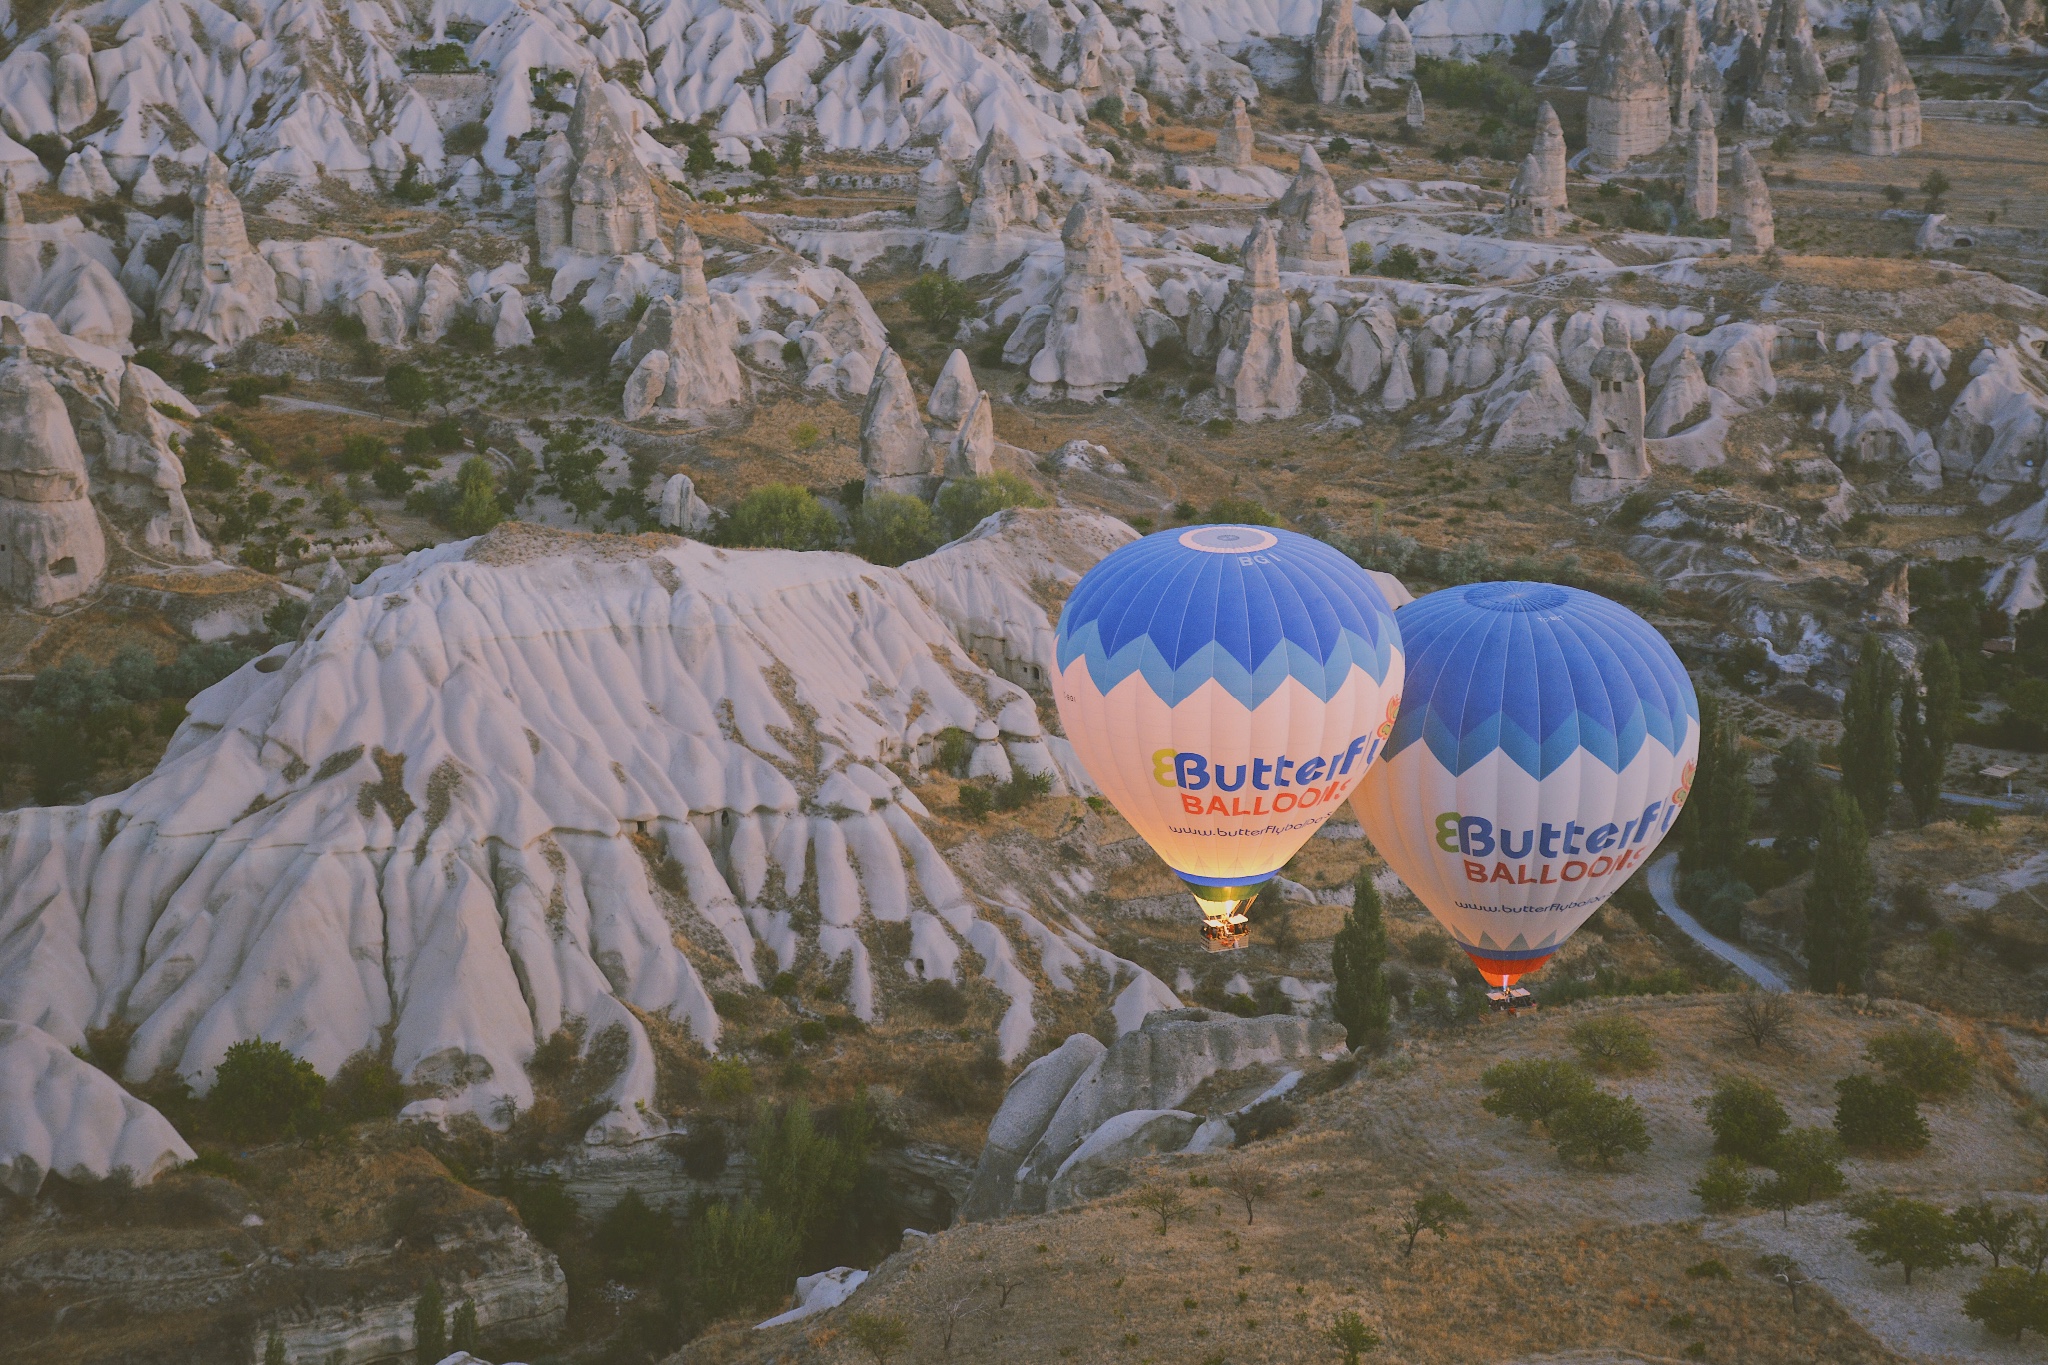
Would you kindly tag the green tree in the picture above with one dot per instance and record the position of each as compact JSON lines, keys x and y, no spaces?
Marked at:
{"x":1360,"y":1000}
{"x":1239,"y":512}
{"x":1614,"y":1043}
{"x":1746,"y":1119}
{"x":409,"y":386}
{"x":1433,"y":1212}
{"x":1873,"y":1115}
{"x":1724,"y":1187}
{"x":881,"y":1337}
{"x":738,"y":1258}
{"x":476,"y":509}
{"x":1870,"y":740}
{"x":892,"y":528}
{"x":1984,"y":1224}
{"x":273,"y":1349}
{"x":762,"y":163}
{"x":1600,"y":1127}
{"x":1717,"y":814}
{"x":700,"y":159}
{"x":1924,"y":759}
{"x":805,"y":1174}
{"x":940,"y":301}
{"x":1924,"y":1058}
{"x":463,"y":1332}
{"x":1806,"y":1164}
{"x":2007,"y":1302}
{"x":779,"y":516}
{"x":1798,"y":793}
{"x":1532,"y":1090}
{"x":1910,"y":1234}
{"x":1349,"y":1334}
{"x":429,"y":1326}
{"x":261,"y":1092}
{"x":633,"y":1238}
{"x":1838,"y":900}
{"x":963,"y":503}
{"x":730,"y":1082}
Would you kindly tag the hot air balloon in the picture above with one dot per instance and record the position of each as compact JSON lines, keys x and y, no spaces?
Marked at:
{"x":1227,"y":687}
{"x":1547,"y":744}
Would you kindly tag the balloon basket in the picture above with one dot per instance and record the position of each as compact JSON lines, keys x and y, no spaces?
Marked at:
{"x":1225,"y":934}
{"x":1510,"y":1000}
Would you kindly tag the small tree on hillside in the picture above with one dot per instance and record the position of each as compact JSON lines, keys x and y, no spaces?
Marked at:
{"x":1614,"y":1043}
{"x":1164,"y":1203}
{"x":881,"y":1337}
{"x":1746,"y":1119}
{"x":463,"y":1332}
{"x":261,"y":1092}
{"x":1360,"y":999}
{"x":1247,"y":1185}
{"x":1534,"y":1090}
{"x":1798,"y":793}
{"x":1349,"y":1334}
{"x":1925,"y":1059}
{"x":1720,"y":806}
{"x":2008,"y":1302}
{"x":1984,"y":1224}
{"x":1909,"y":1234}
{"x":273,"y":1349}
{"x":1433,"y":1212}
{"x":1724,"y":1187}
{"x":1600,"y":1127}
{"x":1806,"y":1164}
{"x":1870,"y":741}
{"x":1873,"y":1115}
{"x":1838,"y":901}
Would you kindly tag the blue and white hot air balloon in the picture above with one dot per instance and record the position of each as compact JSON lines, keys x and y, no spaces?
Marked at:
{"x":1545,"y":747}
{"x":1227,"y":687}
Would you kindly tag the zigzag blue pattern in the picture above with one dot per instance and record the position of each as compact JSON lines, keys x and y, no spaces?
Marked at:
{"x":1539,"y":673}
{"x":1180,"y":617}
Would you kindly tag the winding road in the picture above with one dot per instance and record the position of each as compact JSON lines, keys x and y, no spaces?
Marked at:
{"x":1664,"y":888}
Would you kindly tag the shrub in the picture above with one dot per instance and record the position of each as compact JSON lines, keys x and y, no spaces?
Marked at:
{"x":429,"y":1325}
{"x":704,"y":1151}
{"x":1600,"y":1127}
{"x":779,"y":516}
{"x":1533,"y":1091}
{"x":880,"y":1337}
{"x":409,"y":386}
{"x":964,"y":503}
{"x":940,"y":301}
{"x":762,"y":163}
{"x":1240,"y":511}
{"x":952,"y":750}
{"x":737,"y":1258}
{"x":1746,"y":1119}
{"x":475,"y":508}
{"x":545,"y":1207}
{"x":1924,"y":1059}
{"x":1613,"y":1043}
{"x":261,"y":1092}
{"x":1880,"y":1116}
{"x":1724,"y":1187}
{"x":957,"y":1087}
{"x":361,"y":452}
{"x":975,"y":802}
{"x":1349,"y":1334}
{"x":365,"y":1088}
{"x":891,"y":528}
{"x":2008,"y":1301}
{"x":1022,"y":789}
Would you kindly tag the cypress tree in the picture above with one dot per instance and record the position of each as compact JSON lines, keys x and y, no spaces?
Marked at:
{"x":1926,"y":738}
{"x":1724,"y":798}
{"x":1870,"y":740}
{"x":1798,"y":793}
{"x":1361,"y":1000}
{"x":429,"y":1326}
{"x":1692,"y":845}
{"x":1838,"y":900}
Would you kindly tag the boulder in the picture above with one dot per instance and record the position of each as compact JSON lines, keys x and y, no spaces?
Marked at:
{"x":509,"y":327}
{"x":1100,"y":1165}
{"x":681,"y":508}
{"x":592,"y":195}
{"x":74,"y":95}
{"x":439,"y":302}
{"x":699,"y":378}
{"x":1027,"y":1107}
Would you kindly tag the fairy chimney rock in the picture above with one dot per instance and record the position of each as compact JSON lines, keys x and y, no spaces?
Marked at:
{"x":1091,"y":340}
{"x":1613,"y":456}
{"x":1628,"y":100}
{"x":1234,"y":138}
{"x":1256,"y":370}
{"x":1550,"y":154}
{"x":1703,"y":163}
{"x":1393,"y":58}
{"x":51,"y":548}
{"x":1887,"y":120}
{"x":1334,"y":67}
{"x":1312,"y":222}
{"x":1751,"y":228}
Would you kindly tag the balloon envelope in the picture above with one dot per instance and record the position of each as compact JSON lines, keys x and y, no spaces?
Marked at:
{"x":1227,"y":687}
{"x":1546,"y":745}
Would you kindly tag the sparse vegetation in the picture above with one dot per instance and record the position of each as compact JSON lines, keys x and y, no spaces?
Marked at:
{"x":1614,"y":1044}
{"x":1533,"y":1091}
{"x":1600,"y":1128}
{"x":1880,"y":1117}
{"x":1924,"y":1059}
{"x":1434,"y":1212}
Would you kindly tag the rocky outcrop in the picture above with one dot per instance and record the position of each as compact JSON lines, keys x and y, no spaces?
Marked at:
{"x":893,"y":450}
{"x":1009,"y":189}
{"x":440,"y":302}
{"x":1549,"y":151}
{"x":591,"y":195}
{"x":681,"y":508}
{"x":1045,"y":1136}
{"x":1393,"y":57}
{"x":1685,"y":397}
{"x":1528,"y":212}
{"x":85,"y":176}
{"x":51,"y":548}
{"x":21,"y":260}
{"x":218,"y":290}
{"x":955,"y":392}
{"x":693,"y":376}
{"x":1681,"y":60}
{"x":1234,"y":138}
{"x":1367,"y":346}
{"x":1703,"y":163}
{"x":1988,"y":30}
{"x":1534,"y":413}
{"x":1751,"y":228}
{"x":1887,"y":120}
{"x":510,"y":328}
{"x":940,"y":202}
{"x":63,"y":1116}
{"x":1091,"y":336}
{"x":1335,"y":72}
{"x":1256,"y":369}
{"x":1612,"y":455}
{"x":1312,"y":222}
{"x":140,"y":472}
{"x":1415,"y":116}
{"x":74,"y":96}
{"x":1790,"y":84}
{"x":1628,"y":98}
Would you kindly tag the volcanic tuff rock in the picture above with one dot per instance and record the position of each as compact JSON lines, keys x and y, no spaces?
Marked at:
{"x":422,"y":826}
{"x":1612,"y":457}
{"x":1887,"y":119}
{"x":1255,"y":368}
{"x":1393,"y":58}
{"x":1751,"y":228}
{"x":1234,"y":138}
{"x":940,"y":202}
{"x":1703,"y":163}
{"x":1791,"y":84}
{"x":21,"y":260}
{"x":1056,"y":1105}
{"x":217,"y":291}
{"x":893,"y":449}
{"x":1529,"y":212}
{"x":1551,"y":155}
{"x":1681,"y":59}
{"x":1628,"y":100}
{"x":1335,"y":72}
{"x":63,"y":1116}
{"x":592,"y":195}
{"x":51,"y":548}
{"x":694,"y":375}
{"x":142,"y":473}
{"x":1415,"y":116}
{"x":1312,"y":222}
{"x":1368,"y":344}
{"x":1091,"y":338}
